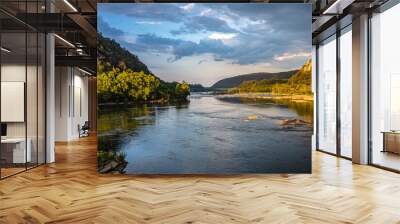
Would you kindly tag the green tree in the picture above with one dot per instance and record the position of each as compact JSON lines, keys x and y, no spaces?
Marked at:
{"x":135,"y":87}
{"x":127,"y":86}
{"x":182,"y":90}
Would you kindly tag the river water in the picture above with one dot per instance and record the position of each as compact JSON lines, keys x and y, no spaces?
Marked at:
{"x":210,"y":135}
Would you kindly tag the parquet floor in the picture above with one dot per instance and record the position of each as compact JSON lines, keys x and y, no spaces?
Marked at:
{"x":10,"y":171}
{"x":71,"y":191}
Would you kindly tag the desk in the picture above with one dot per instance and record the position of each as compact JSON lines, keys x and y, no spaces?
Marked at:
{"x":13,"y":150}
{"x":391,"y":141}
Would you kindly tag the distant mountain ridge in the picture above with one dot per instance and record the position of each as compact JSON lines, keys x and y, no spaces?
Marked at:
{"x":235,"y":81}
{"x":298,"y":84}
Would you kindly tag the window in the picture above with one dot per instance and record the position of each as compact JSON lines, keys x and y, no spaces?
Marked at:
{"x":327,"y":95}
{"x":346,"y":92}
{"x":385,"y":89}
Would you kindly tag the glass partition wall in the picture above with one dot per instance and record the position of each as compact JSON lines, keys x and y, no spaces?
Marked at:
{"x":22,"y":77}
{"x":334,"y":94}
{"x":327,"y":95}
{"x":385,"y":89}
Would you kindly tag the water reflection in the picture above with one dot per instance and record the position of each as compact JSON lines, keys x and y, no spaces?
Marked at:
{"x":209,"y":135}
{"x":302,"y":108}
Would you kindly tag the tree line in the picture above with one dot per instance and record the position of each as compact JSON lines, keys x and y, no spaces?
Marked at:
{"x":299,"y":83}
{"x":123,"y":85}
{"x":123,"y":78}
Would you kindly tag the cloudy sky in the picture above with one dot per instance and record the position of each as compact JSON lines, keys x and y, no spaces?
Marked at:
{"x":203,"y":43}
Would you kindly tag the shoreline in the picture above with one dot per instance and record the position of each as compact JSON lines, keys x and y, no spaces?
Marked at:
{"x":153,"y":102}
{"x":296,"y":97}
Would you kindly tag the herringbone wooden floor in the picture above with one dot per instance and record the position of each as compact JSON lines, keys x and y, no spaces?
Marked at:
{"x":71,"y":191}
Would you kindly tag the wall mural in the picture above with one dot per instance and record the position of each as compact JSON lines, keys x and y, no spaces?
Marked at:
{"x":204,"y":88}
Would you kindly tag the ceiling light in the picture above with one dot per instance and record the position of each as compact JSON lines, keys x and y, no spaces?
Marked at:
{"x":70,"y":5}
{"x":79,"y":51}
{"x":65,"y":41}
{"x":5,"y":50}
{"x":86,"y":72}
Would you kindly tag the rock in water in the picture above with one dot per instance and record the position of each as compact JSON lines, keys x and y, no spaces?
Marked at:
{"x":293,"y":122}
{"x":108,"y":167}
{"x":252,"y":117}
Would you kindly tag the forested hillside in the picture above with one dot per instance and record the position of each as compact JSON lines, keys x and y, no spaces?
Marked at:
{"x":123,"y":78}
{"x":298,"y":83}
{"x":199,"y":88}
{"x":301,"y":81}
{"x":112,"y":55}
{"x":237,"y":80}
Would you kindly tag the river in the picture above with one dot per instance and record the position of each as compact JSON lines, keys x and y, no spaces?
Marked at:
{"x":211,"y":134}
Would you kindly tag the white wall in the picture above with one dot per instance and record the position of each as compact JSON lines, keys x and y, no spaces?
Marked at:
{"x":71,"y":87}
{"x":80,"y":109}
{"x":14,"y":72}
{"x":62,"y":82}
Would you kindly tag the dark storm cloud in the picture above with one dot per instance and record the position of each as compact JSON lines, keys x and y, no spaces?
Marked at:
{"x":276,"y":16}
{"x":178,"y":48}
{"x":143,"y":41}
{"x":250,"y":54}
{"x":262,"y":31}
{"x":106,"y":29}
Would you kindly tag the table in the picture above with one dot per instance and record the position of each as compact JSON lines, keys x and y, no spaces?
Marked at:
{"x":391,"y":141}
{"x":13,"y":150}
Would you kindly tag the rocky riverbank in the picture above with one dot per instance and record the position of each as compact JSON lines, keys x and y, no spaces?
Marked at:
{"x":111,"y":162}
{"x":295,"y":122}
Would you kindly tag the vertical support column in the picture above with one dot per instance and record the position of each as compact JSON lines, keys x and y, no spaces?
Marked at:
{"x":360,"y":89}
{"x":50,"y":99}
{"x":50,"y":92}
{"x":338,"y":91}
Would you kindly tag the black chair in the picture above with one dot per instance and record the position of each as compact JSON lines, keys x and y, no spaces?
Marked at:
{"x":84,"y":130}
